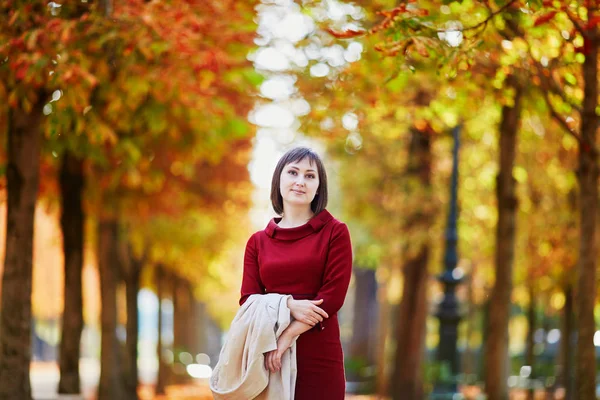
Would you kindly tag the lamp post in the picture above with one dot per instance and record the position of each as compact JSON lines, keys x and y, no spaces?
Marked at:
{"x":448,"y":309}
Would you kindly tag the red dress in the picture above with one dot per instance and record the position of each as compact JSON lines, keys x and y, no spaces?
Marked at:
{"x":311,"y":261}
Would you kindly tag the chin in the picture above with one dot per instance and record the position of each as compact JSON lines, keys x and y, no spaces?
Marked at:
{"x":298,"y":202}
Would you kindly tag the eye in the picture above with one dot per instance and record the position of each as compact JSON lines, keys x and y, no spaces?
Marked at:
{"x":292,"y":172}
{"x":311,"y":176}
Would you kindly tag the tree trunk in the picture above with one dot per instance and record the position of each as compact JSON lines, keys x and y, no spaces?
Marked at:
{"x":496,"y":351}
{"x":162,"y":368}
{"x":111,"y":385}
{"x":469,"y":361}
{"x":588,"y":254}
{"x":181,"y":321}
{"x":193,"y":320}
{"x":22,"y":176}
{"x":365,"y":312}
{"x":202,"y":325}
{"x":529,"y":354}
{"x":72,"y":221}
{"x":410,"y":331}
{"x":566,"y":342}
{"x":412,"y":313}
{"x":382,"y":333}
{"x":132,"y":288}
{"x":180,"y":315}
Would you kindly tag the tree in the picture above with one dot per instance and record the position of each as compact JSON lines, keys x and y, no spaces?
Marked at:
{"x":74,"y":58}
{"x":574,"y":53}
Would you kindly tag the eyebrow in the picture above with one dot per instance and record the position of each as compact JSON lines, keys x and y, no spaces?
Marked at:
{"x":308,"y":170}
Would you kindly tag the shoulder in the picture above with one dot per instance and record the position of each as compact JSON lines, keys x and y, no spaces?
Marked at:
{"x":337,"y":225}
{"x":338,"y":229}
{"x":256,"y":237}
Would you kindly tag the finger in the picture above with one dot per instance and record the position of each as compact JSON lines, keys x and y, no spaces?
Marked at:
{"x":270,"y":362}
{"x":309,"y":321}
{"x":318,"y":317}
{"x":317,"y":302}
{"x":320,"y":311}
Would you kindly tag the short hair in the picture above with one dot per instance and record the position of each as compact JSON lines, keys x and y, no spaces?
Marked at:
{"x":298,"y":154}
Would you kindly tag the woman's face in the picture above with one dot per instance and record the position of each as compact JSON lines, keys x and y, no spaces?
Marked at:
{"x":299,"y":182}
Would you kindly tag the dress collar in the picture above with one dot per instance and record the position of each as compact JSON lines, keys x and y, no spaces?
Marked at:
{"x":315,"y":224}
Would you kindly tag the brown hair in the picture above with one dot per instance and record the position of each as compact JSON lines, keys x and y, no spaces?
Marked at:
{"x":296,"y":155}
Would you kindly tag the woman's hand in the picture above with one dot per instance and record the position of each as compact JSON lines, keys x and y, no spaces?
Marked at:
{"x":307,"y":311}
{"x":273,"y":358}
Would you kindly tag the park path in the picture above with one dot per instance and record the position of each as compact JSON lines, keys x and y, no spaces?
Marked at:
{"x":45,"y":375}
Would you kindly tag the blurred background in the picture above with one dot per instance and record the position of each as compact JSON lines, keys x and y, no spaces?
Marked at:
{"x":460,"y":140}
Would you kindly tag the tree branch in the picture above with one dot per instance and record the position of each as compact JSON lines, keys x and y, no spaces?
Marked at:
{"x":492,"y":15}
{"x":560,"y":120}
{"x":574,"y":22}
{"x":479,"y":24}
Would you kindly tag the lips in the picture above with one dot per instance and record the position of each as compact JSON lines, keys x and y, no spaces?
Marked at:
{"x":297,"y":191}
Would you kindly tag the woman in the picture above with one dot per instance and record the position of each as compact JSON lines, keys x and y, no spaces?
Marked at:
{"x":305,"y":253}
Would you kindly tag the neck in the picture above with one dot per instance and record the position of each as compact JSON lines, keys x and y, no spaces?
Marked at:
{"x":295,"y":216}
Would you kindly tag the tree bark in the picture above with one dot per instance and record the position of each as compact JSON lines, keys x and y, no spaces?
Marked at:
{"x":566,"y":342}
{"x":162,"y":368}
{"x":496,"y":351}
{"x":131,"y":272}
{"x":196,"y":326}
{"x":72,"y":225}
{"x":22,"y":175}
{"x":588,"y":253}
{"x":180,"y":315}
{"x":530,"y":355}
{"x":410,"y":332}
{"x":181,"y":321}
{"x":412,"y":313}
{"x":469,"y":361}
{"x":365,"y":312}
{"x":111,"y":385}
{"x":382,"y":334}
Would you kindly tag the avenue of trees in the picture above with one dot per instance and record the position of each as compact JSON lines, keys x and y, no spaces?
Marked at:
{"x":521,"y":80}
{"x":137,"y":112}
{"x":131,"y":116}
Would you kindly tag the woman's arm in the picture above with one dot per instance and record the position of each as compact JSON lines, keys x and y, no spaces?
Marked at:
{"x":338,"y":271}
{"x":273,"y":358}
{"x":307,"y":311}
{"x":251,"y":282}
{"x":296,"y":328}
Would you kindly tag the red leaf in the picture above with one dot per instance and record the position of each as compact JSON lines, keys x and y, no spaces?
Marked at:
{"x":346,"y":34}
{"x":593,"y":23}
{"x":21,"y":72}
{"x":544,"y":18}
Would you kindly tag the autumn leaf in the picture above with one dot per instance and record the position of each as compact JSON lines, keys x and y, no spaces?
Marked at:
{"x":593,"y":23}
{"x":420,"y":47}
{"x":544,"y":18}
{"x":350,"y":33}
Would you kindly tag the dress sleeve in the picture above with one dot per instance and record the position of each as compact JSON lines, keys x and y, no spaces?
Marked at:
{"x":251,"y":283}
{"x":338,"y":271}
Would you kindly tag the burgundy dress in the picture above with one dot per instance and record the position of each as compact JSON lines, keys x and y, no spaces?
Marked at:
{"x":311,"y":261}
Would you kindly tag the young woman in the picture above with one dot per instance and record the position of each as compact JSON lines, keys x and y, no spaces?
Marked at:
{"x":305,"y":253}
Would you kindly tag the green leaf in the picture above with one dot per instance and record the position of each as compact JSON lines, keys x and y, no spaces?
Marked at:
{"x":570,"y":79}
{"x":238,"y":127}
{"x":253,"y":77}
